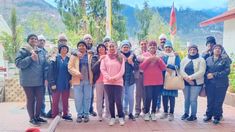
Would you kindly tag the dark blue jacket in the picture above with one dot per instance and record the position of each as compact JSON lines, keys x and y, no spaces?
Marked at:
{"x":128,"y":77}
{"x":58,"y":73}
{"x":220,"y":70}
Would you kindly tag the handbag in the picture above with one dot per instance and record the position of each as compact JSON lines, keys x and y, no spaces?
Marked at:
{"x":173,"y":82}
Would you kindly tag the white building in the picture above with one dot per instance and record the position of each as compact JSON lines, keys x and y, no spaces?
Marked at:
{"x":229,"y":26}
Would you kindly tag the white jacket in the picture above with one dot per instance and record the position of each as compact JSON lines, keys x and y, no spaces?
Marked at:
{"x":199,"y":66}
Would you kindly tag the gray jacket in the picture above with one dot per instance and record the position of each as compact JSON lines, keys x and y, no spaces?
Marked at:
{"x":32,"y":73}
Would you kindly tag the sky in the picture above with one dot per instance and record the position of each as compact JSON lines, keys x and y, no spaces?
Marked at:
{"x":194,"y":4}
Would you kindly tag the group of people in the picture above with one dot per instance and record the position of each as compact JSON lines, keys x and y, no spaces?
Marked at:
{"x":119,"y":75}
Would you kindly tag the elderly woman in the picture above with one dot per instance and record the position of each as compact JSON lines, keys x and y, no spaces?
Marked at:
{"x":217,"y":71}
{"x":33,"y":70}
{"x":101,"y":95}
{"x":152,"y":66}
{"x":192,"y":68}
{"x":112,"y":68}
{"x":168,"y":96}
{"x":80,"y":68}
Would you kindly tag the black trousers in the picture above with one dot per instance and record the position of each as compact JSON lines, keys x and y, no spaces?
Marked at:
{"x":92,"y":100}
{"x":151,"y":95}
{"x":165,"y":100}
{"x":215,"y":100}
{"x":114,"y":93}
{"x":34,"y":97}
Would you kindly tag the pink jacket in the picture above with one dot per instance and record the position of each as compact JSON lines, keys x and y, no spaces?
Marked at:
{"x":152,"y":71}
{"x":112,"y":69}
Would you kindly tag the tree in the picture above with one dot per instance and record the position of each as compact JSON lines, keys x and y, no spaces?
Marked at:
{"x":13,"y":41}
{"x":143,"y":17}
{"x":88,"y":16}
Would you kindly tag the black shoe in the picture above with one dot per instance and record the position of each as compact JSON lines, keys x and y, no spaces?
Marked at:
{"x":86,"y":119}
{"x":93,"y":113}
{"x":216,"y":121}
{"x":207,"y":119}
{"x":131,"y":117}
{"x":34,"y":122}
{"x":79,"y":120}
{"x":192,"y":118}
{"x":185,"y":116}
{"x":67,"y":118}
{"x":40,"y":120}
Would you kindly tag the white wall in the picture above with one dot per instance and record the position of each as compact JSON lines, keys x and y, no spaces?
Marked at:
{"x":229,"y":31}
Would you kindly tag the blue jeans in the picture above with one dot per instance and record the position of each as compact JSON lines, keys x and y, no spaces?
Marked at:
{"x":190,"y":99}
{"x":82,"y":96}
{"x":128,"y":98}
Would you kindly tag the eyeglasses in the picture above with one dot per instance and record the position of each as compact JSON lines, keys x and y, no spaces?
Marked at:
{"x":42,"y":40}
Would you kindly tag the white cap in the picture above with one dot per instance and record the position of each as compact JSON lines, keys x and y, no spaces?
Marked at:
{"x":41,"y":37}
{"x":87,"y":36}
{"x":162,"y":36}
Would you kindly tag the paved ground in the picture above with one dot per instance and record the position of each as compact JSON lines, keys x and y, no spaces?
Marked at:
{"x":14,"y":118}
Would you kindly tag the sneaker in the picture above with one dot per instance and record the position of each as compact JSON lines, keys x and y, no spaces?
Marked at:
{"x":67,"y":118}
{"x":86,"y":119}
{"x":93,"y":113}
{"x":164,"y":115}
{"x":171,"y":117}
{"x":185,"y":116}
{"x":207,"y":119}
{"x":137,"y":115}
{"x":192,"y":118}
{"x":153,"y":117}
{"x":100,"y":119}
{"x":79,"y":119}
{"x":43,"y":114}
{"x":131,"y":117}
{"x":40,"y":120}
{"x":147,"y":117}
{"x":216,"y":121}
{"x":34,"y":122}
{"x":112,"y":121}
{"x":121,"y":121}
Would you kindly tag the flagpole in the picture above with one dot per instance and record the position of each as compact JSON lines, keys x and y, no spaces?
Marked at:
{"x":172,"y":23}
{"x":108,"y":4}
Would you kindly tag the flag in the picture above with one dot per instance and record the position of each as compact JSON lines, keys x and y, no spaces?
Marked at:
{"x":172,"y":22}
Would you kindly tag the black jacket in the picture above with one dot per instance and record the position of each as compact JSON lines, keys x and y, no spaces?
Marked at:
{"x":220,"y":70}
{"x":95,"y":67}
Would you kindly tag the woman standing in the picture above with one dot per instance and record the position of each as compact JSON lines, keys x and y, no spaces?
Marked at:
{"x":112,"y":68}
{"x":217,"y":82}
{"x":61,"y":80}
{"x":80,"y":68}
{"x":101,"y":95}
{"x":131,"y":65}
{"x":152,"y":66}
{"x":168,"y":96}
{"x":192,"y":68}
{"x":33,"y":69}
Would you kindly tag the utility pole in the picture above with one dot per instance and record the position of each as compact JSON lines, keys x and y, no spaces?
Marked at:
{"x":108,"y":4}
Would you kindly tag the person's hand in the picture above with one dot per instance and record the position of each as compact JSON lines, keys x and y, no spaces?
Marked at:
{"x":169,"y":70}
{"x":112,"y":79}
{"x":79,"y":55}
{"x":34,"y":55}
{"x":190,"y":78}
{"x":176,"y":53}
{"x":210,"y":76}
{"x":53,"y":87}
{"x":191,"y":82}
{"x":130,"y":60}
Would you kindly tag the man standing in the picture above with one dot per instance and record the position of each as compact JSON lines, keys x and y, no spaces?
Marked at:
{"x":41,"y":44}
{"x":90,"y":50}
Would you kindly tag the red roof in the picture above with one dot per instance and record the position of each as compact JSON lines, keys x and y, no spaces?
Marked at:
{"x":225,"y":16}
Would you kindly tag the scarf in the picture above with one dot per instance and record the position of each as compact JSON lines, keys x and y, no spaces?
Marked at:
{"x":193,"y":57}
